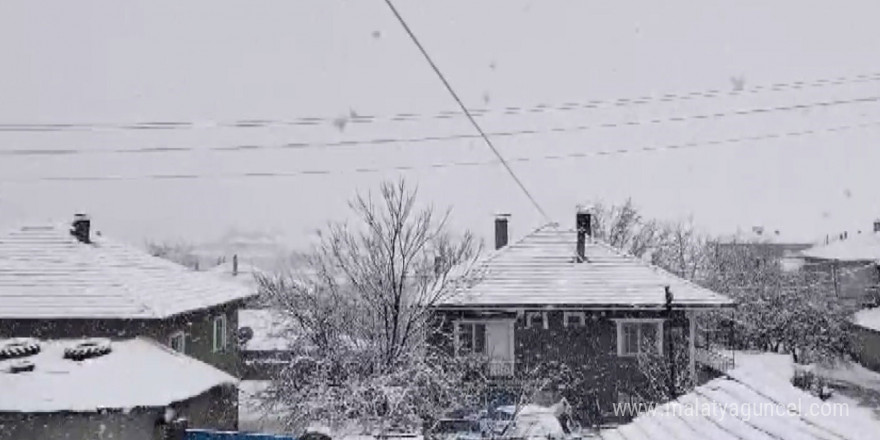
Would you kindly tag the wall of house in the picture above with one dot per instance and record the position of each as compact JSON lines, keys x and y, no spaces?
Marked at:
{"x":591,"y":348}
{"x":854,"y":282}
{"x":867,"y":347}
{"x":198,"y":326}
{"x":215,"y":409}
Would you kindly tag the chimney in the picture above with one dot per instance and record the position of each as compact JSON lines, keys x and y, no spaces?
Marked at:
{"x":501,"y":236}
{"x":80,"y":228}
{"x":877,"y":225}
{"x":584,"y":222}
{"x":235,"y":265}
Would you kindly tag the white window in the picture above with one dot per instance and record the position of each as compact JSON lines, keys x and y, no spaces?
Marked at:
{"x":639,"y":336}
{"x":537,"y":320}
{"x":220,"y":333}
{"x":177,"y":341}
{"x":573,"y":319}
{"x":470,"y":338}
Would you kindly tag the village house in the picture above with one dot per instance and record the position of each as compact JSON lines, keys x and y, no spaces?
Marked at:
{"x":99,"y":389}
{"x":559,"y":294}
{"x":851,"y":264}
{"x":67,"y":281}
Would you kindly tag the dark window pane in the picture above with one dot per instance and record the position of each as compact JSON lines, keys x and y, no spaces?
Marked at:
{"x":480,"y":338}
{"x":630,"y":338}
{"x":466,"y":338}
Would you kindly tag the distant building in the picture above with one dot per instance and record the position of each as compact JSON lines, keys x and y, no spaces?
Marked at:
{"x":125,"y":389}
{"x":766,"y":246}
{"x":60,"y":281}
{"x":268,"y":343}
{"x":560,"y":295}
{"x":851,"y":263}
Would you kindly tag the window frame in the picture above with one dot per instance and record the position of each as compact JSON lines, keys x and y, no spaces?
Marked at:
{"x":543,"y":315}
{"x":178,"y":334}
{"x":457,"y":333}
{"x":621,"y":349}
{"x":581,"y":315}
{"x":223,"y":343}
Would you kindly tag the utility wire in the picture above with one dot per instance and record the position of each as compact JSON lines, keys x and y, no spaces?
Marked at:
{"x":64,"y":151}
{"x":465,"y":110}
{"x":441,"y":165}
{"x":355,"y":118}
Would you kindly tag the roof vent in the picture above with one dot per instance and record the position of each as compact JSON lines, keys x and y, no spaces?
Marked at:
{"x":501,"y":230}
{"x":87,"y":349}
{"x":80,"y":228}
{"x":584,"y":224}
{"x":20,"y":347}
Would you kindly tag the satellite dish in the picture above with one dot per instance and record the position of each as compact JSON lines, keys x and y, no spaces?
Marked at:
{"x":245,"y":334}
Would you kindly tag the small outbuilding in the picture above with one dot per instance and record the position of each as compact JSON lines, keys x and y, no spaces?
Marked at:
{"x":98,"y":389}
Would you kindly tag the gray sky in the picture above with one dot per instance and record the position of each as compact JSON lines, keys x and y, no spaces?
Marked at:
{"x":216,"y":61}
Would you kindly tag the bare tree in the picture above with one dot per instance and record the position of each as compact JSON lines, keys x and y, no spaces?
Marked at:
{"x":179,"y":252}
{"x":363,"y":309}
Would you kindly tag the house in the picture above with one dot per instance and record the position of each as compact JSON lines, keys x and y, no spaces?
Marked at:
{"x":560,"y":295}
{"x":866,"y":334}
{"x":65,"y":281}
{"x":267,"y":342}
{"x":753,"y":401}
{"x":765,"y":246}
{"x":98,"y":389}
{"x":851,"y":265}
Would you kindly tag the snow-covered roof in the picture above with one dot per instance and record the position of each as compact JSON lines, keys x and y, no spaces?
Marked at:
{"x":137,"y":372}
{"x":540,"y":269}
{"x":272,"y":329}
{"x":868,"y":318}
{"x":47,"y":273}
{"x":246,"y":274}
{"x":756,"y":401}
{"x":856,"y":247}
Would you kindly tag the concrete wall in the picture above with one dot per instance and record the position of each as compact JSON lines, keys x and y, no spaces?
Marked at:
{"x":197,"y":325}
{"x":210,"y":410}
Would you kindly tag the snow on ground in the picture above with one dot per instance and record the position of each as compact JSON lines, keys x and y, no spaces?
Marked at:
{"x":755,"y":401}
{"x":868,"y":318}
{"x":136,"y":373}
{"x":253,"y":414}
{"x":854,"y":382}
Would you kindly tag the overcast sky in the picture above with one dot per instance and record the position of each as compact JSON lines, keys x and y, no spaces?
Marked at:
{"x":210,"y":62}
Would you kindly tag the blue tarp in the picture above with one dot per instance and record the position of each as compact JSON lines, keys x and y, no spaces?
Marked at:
{"x":200,"y":434}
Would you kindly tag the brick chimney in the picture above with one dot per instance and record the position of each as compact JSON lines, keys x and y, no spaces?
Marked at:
{"x":584,"y":222}
{"x":501,"y":232}
{"x":877,"y":225}
{"x":80,"y":227}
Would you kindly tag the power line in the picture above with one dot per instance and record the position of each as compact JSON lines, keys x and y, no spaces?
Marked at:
{"x":61,"y":151}
{"x":441,"y":165}
{"x":355,"y":118}
{"x":465,"y":110}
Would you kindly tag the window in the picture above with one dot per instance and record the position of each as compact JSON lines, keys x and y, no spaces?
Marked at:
{"x":220,"y":333}
{"x":639,"y":336}
{"x":470,"y":338}
{"x":573,"y":319}
{"x":536,"y":320}
{"x":177,"y":341}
